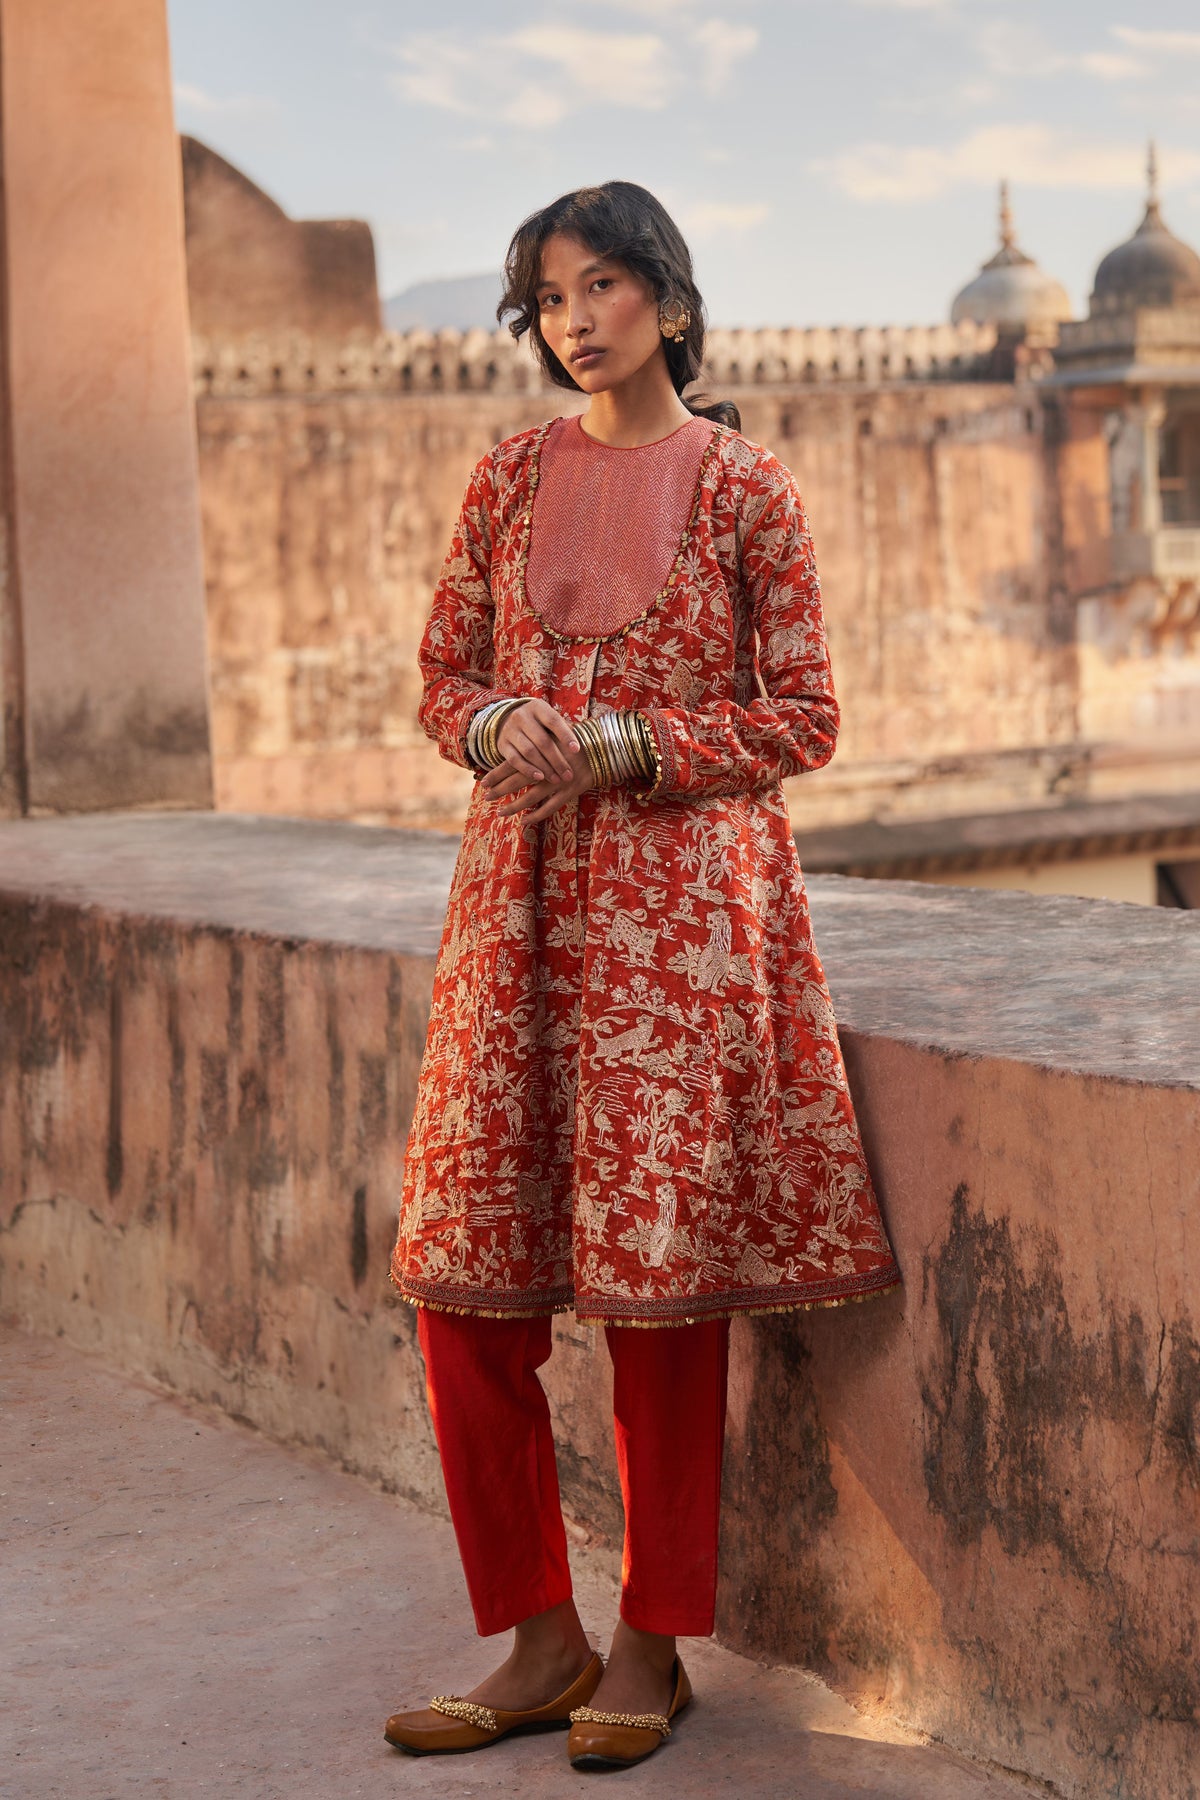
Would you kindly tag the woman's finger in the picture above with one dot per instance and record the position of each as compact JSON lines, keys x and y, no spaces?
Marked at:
{"x":539,"y":808}
{"x":545,"y":746}
{"x":514,"y":782}
{"x":507,"y":769}
{"x":529,"y":767}
{"x":504,"y":776}
{"x":530,"y":798}
{"x":528,"y":738}
{"x":561,"y":728}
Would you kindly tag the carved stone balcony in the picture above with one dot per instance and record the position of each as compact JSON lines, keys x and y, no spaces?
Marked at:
{"x":1170,"y":553}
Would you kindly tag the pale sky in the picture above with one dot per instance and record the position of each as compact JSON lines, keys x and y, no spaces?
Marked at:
{"x":830,"y":161}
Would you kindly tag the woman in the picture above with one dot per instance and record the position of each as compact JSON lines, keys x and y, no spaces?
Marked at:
{"x":632,"y":1099}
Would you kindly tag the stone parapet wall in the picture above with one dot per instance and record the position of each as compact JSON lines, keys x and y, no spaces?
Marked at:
{"x":437,"y":362}
{"x":1151,"y":334}
{"x":970,"y":1505}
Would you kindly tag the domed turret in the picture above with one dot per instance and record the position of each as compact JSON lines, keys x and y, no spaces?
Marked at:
{"x":1152,"y":268}
{"x":1010,"y":291}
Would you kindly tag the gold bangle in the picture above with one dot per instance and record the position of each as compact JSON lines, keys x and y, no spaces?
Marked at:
{"x":616,"y":732}
{"x":474,"y":728}
{"x":631,"y":742}
{"x":604,"y":740}
{"x":501,"y":713}
{"x":490,"y":734}
{"x":629,"y":766}
{"x":604,"y":722}
{"x":585,"y":731}
{"x":485,"y":732}
{"x":602,"y":756}
{"x":651,"y":743}
{"x":645,"y":744}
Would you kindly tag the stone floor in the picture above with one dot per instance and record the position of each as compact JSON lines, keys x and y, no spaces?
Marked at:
{"x":190,"y":1610}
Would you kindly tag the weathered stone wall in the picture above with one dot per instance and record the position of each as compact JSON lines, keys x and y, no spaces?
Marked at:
{"x":984,"y":656}
{"x":326,"y":520}
{"x":325,"y":525}
{"x":250,"y":267}
{"x":971,"y":1504}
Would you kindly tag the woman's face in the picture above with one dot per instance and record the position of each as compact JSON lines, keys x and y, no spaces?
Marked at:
{"x":596,"y":306}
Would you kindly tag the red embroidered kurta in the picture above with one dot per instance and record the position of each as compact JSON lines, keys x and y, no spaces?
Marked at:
{"x":632,"y":1098}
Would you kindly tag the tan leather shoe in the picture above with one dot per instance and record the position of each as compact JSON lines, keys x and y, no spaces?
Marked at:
{"x":609,"y":1740}
{"x":452,"y":1723}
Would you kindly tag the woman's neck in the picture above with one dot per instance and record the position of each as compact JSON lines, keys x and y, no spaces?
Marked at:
{"x":639,"y":411}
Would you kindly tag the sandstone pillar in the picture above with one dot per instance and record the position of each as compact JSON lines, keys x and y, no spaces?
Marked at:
{"x":102,"y":628}
{"x":1153,"y":414}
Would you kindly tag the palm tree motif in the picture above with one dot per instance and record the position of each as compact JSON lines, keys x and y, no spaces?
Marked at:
{"x":709,"y":855}
{"x":659,"y":1109}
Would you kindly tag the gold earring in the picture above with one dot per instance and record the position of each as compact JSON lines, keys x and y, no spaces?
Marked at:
{"x":674,"y":320}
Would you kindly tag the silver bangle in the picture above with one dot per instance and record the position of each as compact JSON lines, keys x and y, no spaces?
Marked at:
{"x":618,"y":750}
{"x":474,"y":729}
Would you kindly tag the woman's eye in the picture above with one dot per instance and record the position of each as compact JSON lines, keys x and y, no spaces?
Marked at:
{"x":603,"y":281}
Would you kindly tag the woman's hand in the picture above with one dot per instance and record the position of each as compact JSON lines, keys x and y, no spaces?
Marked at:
{"x":545,"y":766}
{"x":537,"y":742}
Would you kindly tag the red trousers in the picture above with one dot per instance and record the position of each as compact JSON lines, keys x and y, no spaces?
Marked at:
{"x":492,"y":1422}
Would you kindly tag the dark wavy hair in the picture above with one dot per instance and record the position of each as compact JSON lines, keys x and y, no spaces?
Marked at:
{"x":624,"y":221}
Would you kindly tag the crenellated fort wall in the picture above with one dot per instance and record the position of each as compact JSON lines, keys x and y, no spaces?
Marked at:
{"x":445,"y":362}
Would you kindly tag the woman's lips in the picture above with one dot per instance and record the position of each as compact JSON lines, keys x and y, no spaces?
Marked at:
{"x":587,"y":359}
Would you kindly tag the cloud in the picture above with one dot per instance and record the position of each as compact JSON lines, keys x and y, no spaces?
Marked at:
{"x":1012,"y":48}
{"x":710,"y":218}
{"x":535,"y":76}
{"x":1172,"y":43}
{"x":668,"y":10}
{"x":1033,"y":155}
{"x":541,"y":73}
{"x":1110,"y":65}
{"x":721,"y":44}
{"x":619,"y":69}
{"x":196,"y":100}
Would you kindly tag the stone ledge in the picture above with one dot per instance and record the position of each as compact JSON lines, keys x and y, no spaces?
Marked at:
{"x":969,"y":1503}
{"x":903,"y":847}
{"x":1088,"y":986}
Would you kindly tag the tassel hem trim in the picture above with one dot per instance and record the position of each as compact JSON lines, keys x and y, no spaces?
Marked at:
{"x":732,"y":1311}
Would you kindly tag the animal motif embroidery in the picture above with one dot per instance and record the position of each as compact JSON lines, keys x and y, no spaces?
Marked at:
{"x":632,"y":1098}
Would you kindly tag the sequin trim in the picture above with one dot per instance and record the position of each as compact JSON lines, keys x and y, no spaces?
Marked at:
{"x":700,"y":1316}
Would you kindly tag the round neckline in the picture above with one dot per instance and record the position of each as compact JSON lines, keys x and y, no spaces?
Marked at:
{"x":625,"y":448}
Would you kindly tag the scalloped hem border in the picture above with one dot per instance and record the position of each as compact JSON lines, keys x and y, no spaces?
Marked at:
{"x":599,"y":1318}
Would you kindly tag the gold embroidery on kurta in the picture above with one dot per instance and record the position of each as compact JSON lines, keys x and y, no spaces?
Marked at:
{"x":632,"y":1097}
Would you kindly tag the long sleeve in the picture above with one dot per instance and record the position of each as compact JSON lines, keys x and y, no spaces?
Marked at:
{"x":456,"y":657}
{"x":731,"y":749}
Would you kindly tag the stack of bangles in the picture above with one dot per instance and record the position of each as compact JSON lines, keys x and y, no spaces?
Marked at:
{"x":618,"y":745}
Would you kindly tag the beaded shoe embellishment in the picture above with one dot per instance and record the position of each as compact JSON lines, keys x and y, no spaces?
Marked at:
{"x":471,"y":1712}
{"x":643,"y":1721}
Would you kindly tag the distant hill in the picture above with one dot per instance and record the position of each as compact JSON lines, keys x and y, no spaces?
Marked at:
{"x":462,"y":303}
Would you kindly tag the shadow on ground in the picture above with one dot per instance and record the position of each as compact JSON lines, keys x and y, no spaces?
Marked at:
{"x":192,"y":1610}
